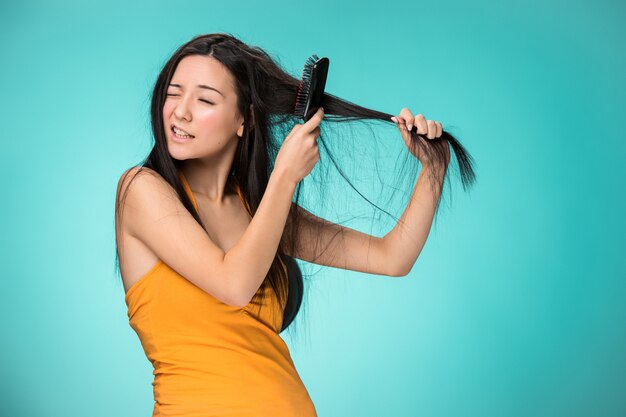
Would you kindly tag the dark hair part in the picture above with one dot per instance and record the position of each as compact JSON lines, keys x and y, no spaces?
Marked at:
{"x":266,"y":96}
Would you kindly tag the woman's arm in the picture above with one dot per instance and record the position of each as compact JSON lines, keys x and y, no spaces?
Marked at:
{"x":406,"y":240}
{"x":396,"y":252}
{"x":326,"y":243}
{"x":154,"y":214}
{"x":251,"y":257}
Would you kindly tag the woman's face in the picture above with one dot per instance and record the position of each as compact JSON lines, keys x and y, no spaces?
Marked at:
{"x":201,"y":101}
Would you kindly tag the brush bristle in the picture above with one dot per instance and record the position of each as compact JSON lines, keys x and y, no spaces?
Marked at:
{"x":305,"y":86}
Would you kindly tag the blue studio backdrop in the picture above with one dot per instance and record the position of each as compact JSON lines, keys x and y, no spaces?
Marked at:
{"x":515,"y":306}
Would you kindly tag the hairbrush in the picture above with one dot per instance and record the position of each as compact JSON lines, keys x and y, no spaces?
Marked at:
{"x":311,"y":89}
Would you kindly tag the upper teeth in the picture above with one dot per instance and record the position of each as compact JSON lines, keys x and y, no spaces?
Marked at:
{"x":180,"y":132}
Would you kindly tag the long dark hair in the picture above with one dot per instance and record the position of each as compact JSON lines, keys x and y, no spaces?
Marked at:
{"x":266,"y":95}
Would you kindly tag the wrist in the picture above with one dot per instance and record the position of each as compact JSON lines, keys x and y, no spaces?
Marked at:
{"x":283,"y":179}
{"x":438,"y":171}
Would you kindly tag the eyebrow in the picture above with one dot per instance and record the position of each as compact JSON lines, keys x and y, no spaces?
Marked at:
{"x":206,"y":87}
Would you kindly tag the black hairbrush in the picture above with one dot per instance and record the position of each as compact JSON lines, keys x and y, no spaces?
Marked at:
{"x":312,"y":86}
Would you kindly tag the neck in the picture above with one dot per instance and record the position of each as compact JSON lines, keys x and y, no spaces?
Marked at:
{"x":215,"y":185}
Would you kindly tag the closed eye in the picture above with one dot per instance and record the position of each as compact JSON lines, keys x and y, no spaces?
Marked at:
{"x":205,"y":101}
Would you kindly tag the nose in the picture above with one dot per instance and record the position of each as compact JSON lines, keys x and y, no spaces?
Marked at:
{"x":181,"y":111}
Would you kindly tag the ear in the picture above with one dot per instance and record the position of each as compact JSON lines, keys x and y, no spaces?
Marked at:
{"x":240,"y":130}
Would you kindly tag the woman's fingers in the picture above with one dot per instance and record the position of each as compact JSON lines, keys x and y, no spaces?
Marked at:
{"x":430,"y":128}
{"x":421,"y":125}
{"x":407,"y":117}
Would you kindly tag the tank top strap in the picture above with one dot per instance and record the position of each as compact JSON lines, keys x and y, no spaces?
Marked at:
{"x":188,"y":189}
{"x":241,"y":197}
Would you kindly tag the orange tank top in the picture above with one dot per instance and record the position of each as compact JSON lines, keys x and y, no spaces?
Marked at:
{"x":211,"y":358}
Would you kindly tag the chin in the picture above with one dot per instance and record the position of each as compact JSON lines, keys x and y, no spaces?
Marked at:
{"x":180,"y":155}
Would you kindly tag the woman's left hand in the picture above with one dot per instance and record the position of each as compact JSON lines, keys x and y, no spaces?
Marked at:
{"x":429,"y":128}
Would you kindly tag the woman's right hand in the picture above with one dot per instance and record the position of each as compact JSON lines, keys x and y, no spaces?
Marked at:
{"x":299,"y":152}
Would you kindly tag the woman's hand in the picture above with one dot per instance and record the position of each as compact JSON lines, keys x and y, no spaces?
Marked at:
{"x":429,"y":128}
{"x":299,"y":152}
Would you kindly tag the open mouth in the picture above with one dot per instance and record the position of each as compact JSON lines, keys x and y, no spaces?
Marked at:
{"x":181,"y":133}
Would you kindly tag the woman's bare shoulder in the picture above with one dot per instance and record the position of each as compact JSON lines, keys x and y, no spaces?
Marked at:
{"x":142,"y":175}
{"x":132,"y":172}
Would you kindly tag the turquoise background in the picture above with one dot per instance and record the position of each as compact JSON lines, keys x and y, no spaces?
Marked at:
{"x":516,"y":304}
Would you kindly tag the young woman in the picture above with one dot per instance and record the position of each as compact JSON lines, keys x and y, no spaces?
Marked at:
{"x":207,"y":229}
